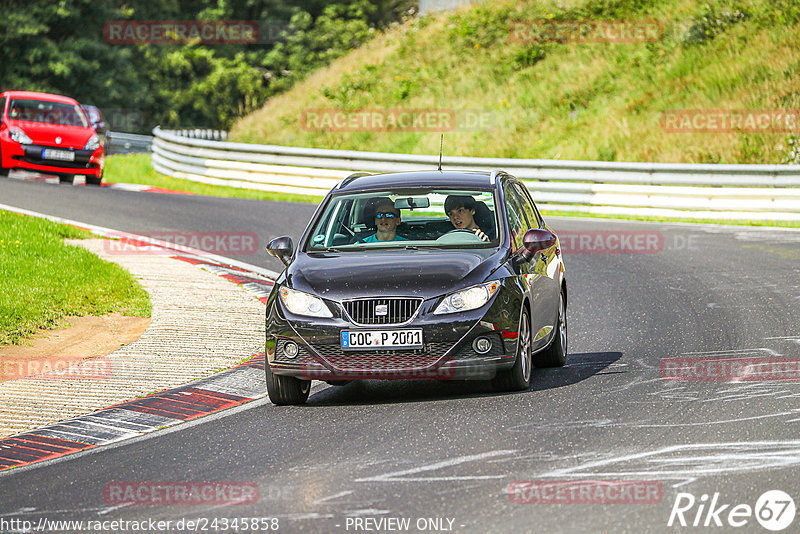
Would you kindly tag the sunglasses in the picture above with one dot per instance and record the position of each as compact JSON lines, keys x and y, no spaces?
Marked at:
{"x":381,"y":215}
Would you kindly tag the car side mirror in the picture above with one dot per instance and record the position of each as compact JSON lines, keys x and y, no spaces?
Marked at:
{"x":536,"y":240}
{"x":281,"y":248}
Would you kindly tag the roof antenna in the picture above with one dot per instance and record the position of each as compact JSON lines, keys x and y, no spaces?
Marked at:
{"x":441,"y":142}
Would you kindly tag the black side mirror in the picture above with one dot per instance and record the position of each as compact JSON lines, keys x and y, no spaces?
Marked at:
{"x":536,"y":240}
{"x":282,"y":248}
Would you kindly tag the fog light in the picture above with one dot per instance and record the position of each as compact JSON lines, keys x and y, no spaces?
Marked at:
{"x":482,"y":345}
{"x":290,"y":350}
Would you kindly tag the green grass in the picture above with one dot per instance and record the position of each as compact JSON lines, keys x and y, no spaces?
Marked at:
{"x":43,"y":280}
{"x":554,"y":100}
{"x":136,"y":169}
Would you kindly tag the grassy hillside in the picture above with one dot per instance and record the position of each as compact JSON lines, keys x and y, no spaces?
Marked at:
{"x":564,"y":100}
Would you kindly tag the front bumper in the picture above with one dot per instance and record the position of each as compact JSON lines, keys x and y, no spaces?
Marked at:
{"x":447,"y":352}
{"x":29,"y":157}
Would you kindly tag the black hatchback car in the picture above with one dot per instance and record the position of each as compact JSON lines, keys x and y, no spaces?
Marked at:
{"x":418,"y":275}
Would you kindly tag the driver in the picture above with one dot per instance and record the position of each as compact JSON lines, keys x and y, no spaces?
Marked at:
{"x":461,"y":211}
{"x":387,"y":219}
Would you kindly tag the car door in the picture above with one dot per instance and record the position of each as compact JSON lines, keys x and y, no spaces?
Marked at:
{"x":541,"y":273}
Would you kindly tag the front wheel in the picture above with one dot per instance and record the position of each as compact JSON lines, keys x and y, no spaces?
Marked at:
{"x":518,"y":378}
{"x":556,"y":354}
{"x":286,"y":390}
{"x":93,"y":180}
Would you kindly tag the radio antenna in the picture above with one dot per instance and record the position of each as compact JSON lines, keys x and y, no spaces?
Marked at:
{"x":441,"y":142}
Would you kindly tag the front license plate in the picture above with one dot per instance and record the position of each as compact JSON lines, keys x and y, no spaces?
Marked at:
{"x":60,"y":155}
{"x":382,"y":339}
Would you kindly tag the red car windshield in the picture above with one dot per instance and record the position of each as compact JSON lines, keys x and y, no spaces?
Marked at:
{"x":46,"y":112}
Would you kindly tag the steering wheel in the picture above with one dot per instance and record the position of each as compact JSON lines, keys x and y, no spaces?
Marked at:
{"x":454,"y":237}
{"x":460,"y":230}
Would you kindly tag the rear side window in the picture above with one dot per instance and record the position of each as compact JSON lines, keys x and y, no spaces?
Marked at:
{"x":2,"y":108}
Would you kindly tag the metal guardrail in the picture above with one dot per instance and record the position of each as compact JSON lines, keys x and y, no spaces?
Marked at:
{"x":125,"y":143}
{"x":700,"y":191}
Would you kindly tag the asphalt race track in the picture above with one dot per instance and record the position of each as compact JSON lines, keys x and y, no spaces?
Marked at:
{"x":456,"y":457}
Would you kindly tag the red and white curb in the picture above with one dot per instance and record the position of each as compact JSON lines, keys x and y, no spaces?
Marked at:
{"x":226,"y":389}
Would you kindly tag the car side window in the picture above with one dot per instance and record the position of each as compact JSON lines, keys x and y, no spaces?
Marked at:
{"x":517,"y":225}
{"x":2,"y":108}
{"x":534,"y":221}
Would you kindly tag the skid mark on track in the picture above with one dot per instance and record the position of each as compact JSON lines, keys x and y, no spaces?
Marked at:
{"x":690,"y":461}
{"x":403,"y":476}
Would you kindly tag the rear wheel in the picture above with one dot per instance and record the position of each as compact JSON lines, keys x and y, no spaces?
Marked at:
{"x":66,"y":178}
{"x":286,"y":390}
{"x":556,"y":354}
{"x":3,"y":172}
{"x":518,"y":377}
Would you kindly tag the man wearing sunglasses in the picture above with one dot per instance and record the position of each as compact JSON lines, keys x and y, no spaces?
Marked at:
{"x":387,"y":218}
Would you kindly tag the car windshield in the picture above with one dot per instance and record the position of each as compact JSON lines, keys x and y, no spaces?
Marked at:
{"x":406,"y":219}
{"x":46,"y":112}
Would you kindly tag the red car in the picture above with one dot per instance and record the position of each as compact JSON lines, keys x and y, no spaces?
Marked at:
{"x":50,"y":134}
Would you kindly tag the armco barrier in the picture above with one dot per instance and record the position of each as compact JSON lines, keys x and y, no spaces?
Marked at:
{"x":700,"y":191}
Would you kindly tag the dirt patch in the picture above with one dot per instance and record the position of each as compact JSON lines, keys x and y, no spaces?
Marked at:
{"x":85,"y":338}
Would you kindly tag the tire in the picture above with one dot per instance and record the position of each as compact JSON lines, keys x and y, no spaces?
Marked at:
{"x":518,"y":378}
{"x":555,"y":355}
{"x":286,"y":390}
{"x":3,"y":172}
{"x":93,"y":180}
{"x":66,"y":178}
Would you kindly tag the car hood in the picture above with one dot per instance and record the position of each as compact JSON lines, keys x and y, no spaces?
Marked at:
{"x":45,"y":134}
{"x":416,"y":273}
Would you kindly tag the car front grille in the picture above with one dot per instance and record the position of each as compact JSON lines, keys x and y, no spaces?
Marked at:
{"x":385,"y":311}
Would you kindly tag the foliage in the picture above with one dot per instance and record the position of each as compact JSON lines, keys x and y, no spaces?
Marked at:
{"x":59,"y":47}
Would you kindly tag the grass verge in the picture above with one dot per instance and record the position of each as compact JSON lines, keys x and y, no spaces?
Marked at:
{"x":136,"y":169}
{"x":42,"y":279}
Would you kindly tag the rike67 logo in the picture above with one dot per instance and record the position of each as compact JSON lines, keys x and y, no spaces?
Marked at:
{"x":774,"y":510}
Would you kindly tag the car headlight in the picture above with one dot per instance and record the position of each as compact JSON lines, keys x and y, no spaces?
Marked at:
{"x":300,"y":303}
{"x":19,"y":136}
{"x":468,"y":299}
{"x":92,"y":143}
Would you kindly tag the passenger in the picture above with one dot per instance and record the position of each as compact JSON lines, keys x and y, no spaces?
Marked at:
{"x":387,"y":218}
{"x":461,"y":211}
